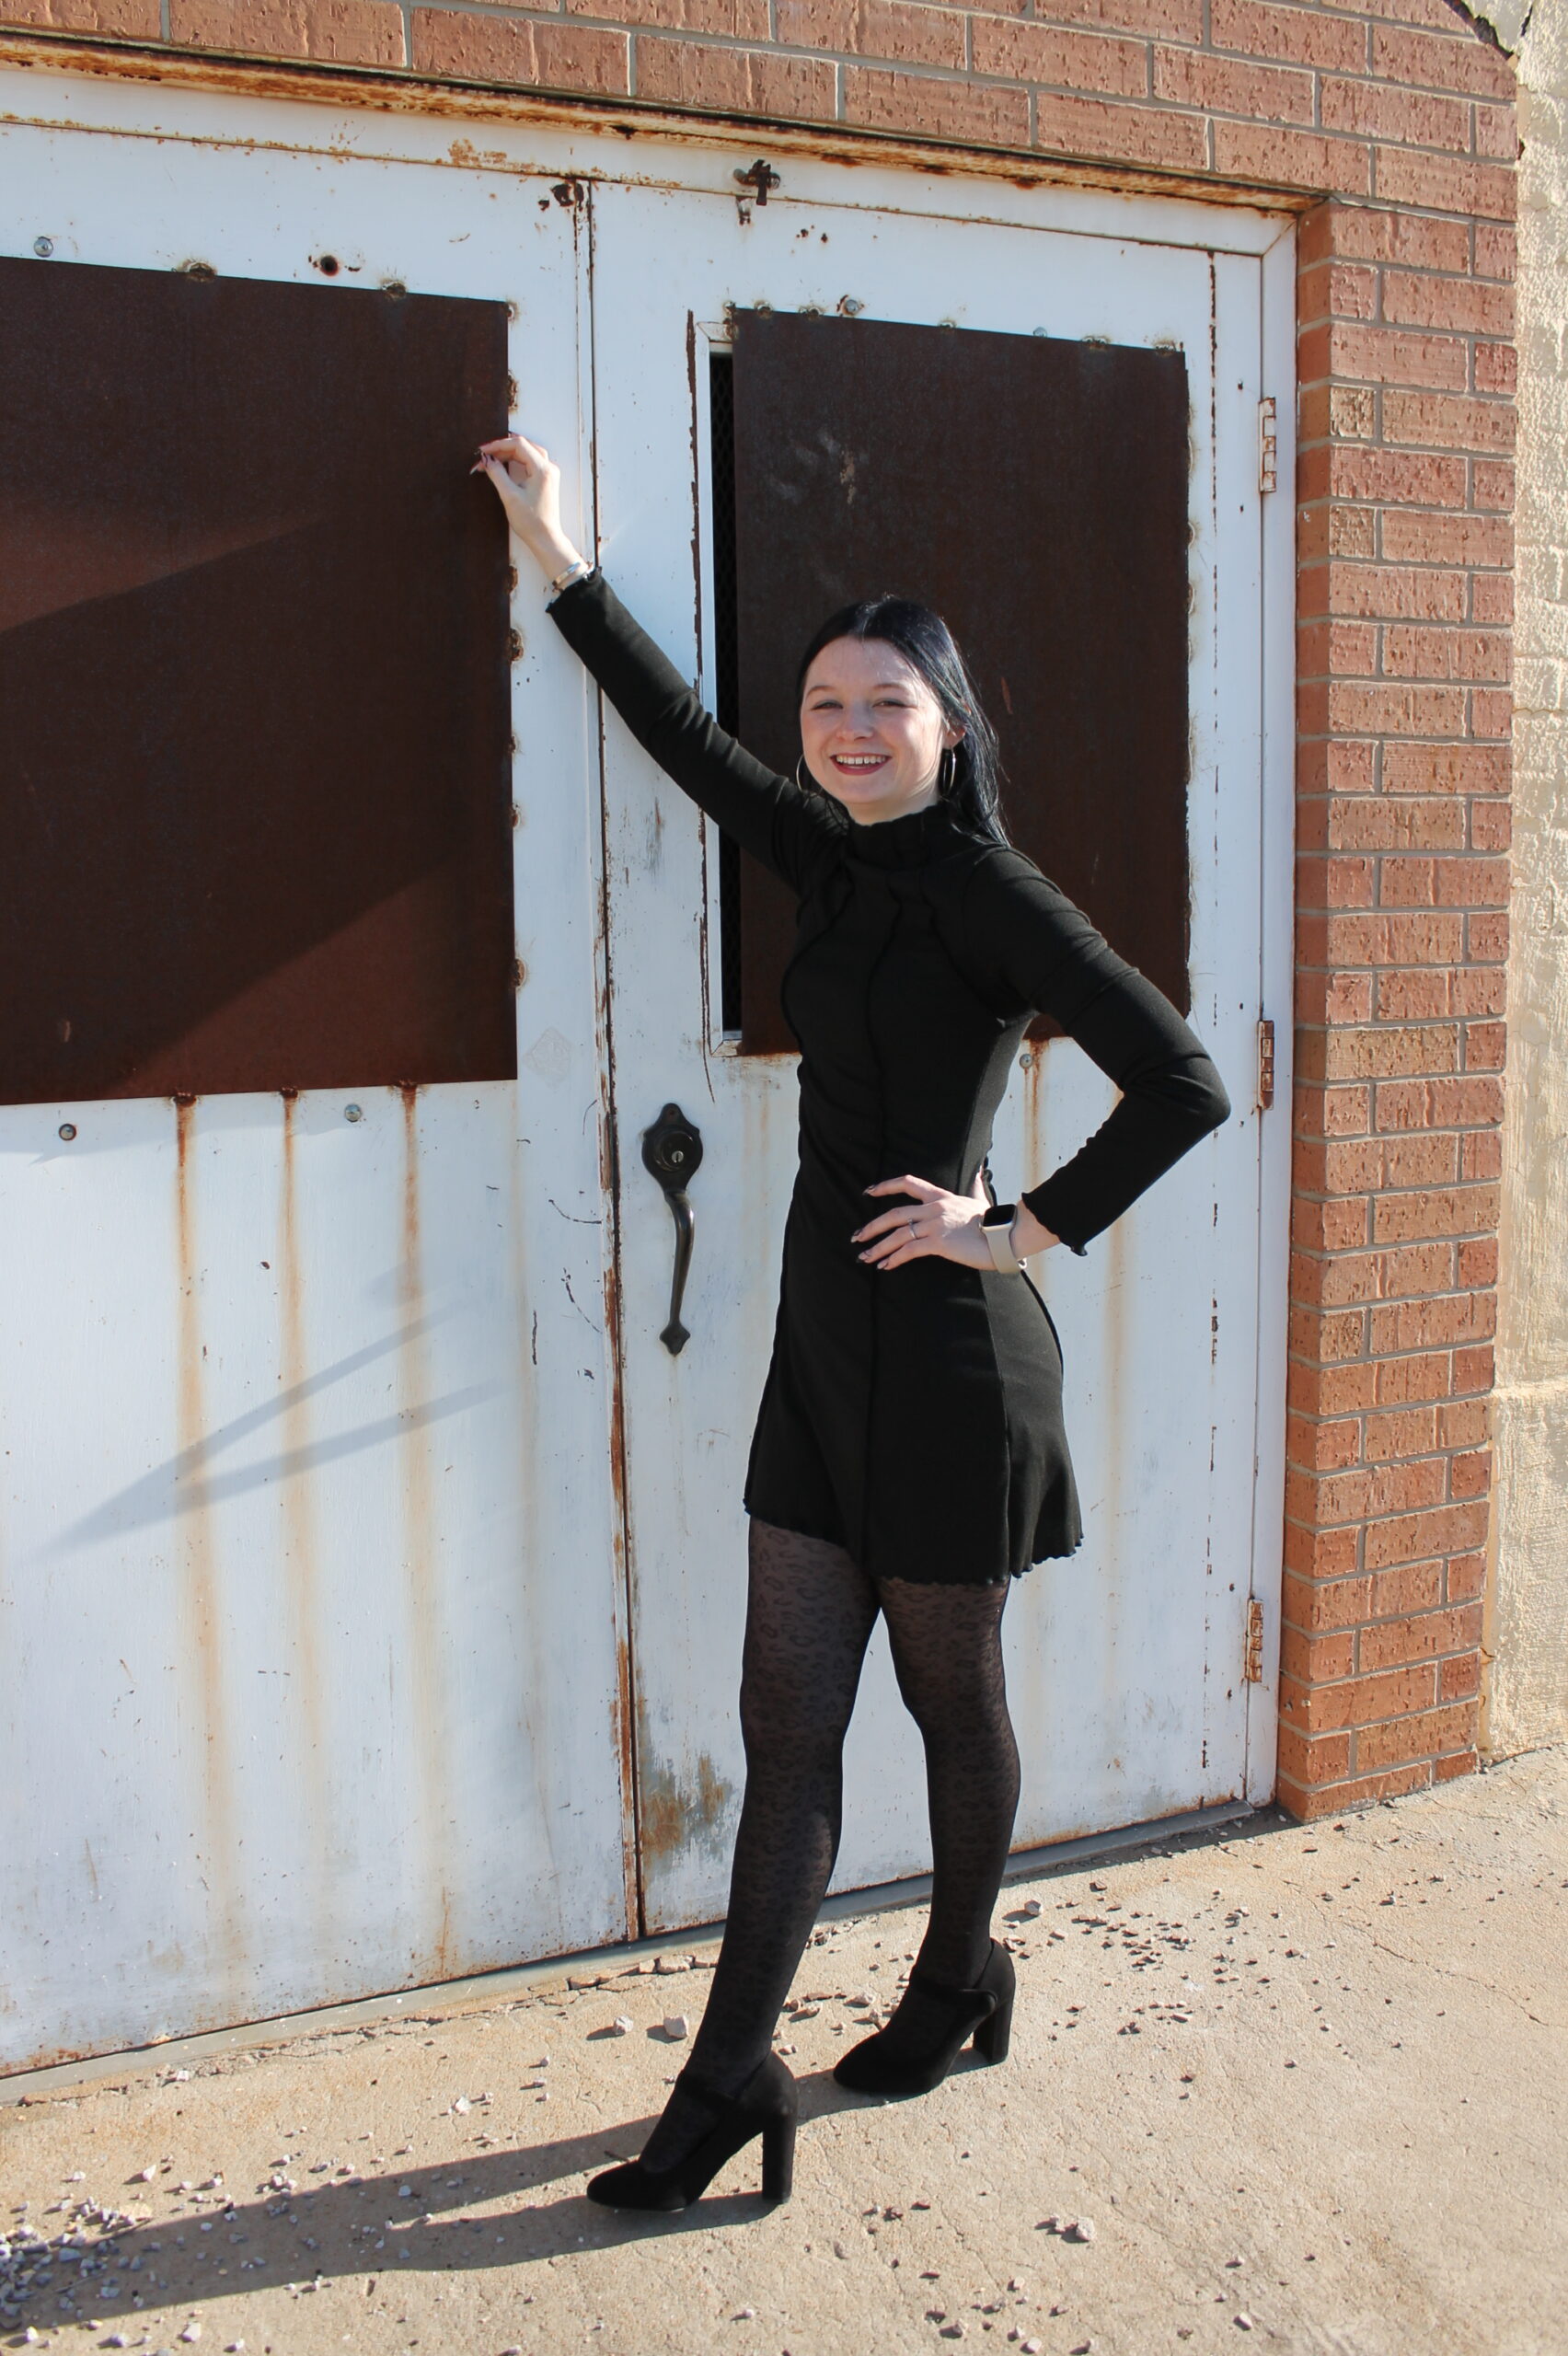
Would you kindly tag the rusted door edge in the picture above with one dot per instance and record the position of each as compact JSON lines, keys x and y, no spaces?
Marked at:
{"x":485,"y":1990}
{"x":345,"y":86}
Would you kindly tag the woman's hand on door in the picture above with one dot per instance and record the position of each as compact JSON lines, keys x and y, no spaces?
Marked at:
{"x":527,"y":483}
{"x":939,"y":1226}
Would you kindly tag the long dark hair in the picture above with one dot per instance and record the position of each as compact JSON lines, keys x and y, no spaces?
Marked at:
{"x":970,"y":778}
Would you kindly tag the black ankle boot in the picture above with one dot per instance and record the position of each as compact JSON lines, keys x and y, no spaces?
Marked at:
{"x":766,"y":2106}
{"x":897,"y":2062}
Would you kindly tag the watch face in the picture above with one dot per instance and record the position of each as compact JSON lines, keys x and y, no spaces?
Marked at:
{"x":999,"y":1215}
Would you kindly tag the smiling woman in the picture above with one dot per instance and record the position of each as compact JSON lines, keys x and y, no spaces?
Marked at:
{"x":909,"y":1456}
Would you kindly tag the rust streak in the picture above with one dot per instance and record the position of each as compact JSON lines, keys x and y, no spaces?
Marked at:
{"x":537,"y":1686}
{"x":675,"y":1820}
{"x":622,"y":1534}
{"x":301,"y":1551}
{"x":433,"y":1803}
{"x":216,"y":1860}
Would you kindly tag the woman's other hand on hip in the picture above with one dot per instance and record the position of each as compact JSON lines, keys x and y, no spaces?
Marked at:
{"x":939,"y":1226}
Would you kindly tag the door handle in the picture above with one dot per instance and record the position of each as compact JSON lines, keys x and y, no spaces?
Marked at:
{"x":672,"y":1151}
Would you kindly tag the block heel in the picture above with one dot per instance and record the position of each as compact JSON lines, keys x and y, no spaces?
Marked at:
{"x":779,"y":2159}
{"x":767,"y":2104}
{"x":992,"y":2038}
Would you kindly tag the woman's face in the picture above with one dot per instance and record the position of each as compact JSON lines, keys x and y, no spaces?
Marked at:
{"x":872,"y":730}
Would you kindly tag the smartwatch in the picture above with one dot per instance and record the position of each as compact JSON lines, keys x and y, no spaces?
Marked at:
{"x":995,"y":1225}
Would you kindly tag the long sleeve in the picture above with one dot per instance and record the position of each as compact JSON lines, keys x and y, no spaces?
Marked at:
{"x":769,"y":815}
{"x":1051,"y":958}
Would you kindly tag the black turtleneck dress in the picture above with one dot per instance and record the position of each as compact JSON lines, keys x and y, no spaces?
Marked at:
{"x":914,"y":1418}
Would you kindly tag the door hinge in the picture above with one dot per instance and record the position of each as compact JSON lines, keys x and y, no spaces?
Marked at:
{"x":1252,"y":1666}
{"x":1265,"y":1064}
{"x":1268,"y":444}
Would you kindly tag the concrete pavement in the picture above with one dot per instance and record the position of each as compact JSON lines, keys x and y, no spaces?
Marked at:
{"x":1300,"y":2087}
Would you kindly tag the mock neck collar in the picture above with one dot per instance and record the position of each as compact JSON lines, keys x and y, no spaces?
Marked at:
{"x":903,"y":842}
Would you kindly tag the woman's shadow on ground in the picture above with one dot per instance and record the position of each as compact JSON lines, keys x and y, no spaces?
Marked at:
{"x":364,"y":2229}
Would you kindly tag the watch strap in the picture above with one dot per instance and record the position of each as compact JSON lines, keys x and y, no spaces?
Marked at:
{"x":995,"y":1225}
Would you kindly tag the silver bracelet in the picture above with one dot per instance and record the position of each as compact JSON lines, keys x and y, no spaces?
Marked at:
{"x":578,"y":570}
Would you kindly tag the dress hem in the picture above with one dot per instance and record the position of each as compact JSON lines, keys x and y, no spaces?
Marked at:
{"x":797,"y":1528}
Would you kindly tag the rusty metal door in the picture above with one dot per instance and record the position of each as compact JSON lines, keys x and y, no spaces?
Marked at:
{"x":310,"y":1625}
{"x":1127,"y":1663}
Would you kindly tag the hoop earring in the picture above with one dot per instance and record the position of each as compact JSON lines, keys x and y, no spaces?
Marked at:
{"x":947,"y":773}
{"x":803,"y":777}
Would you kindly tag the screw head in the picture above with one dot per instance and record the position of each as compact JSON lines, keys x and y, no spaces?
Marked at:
{"x":44,"y":247}
{"x":1025,"y":1062}
{"x":67,"y":1130}
{"x":352,"y":1113}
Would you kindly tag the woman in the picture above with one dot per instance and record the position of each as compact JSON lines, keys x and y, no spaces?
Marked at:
{"x":909,"y":1456}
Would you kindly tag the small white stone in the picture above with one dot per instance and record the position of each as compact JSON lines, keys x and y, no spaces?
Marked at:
{"x":405,"y":2192}
{"x":1014,"y":2283}
{"x":462,"y":2106}
{"x":191,"y":2333}
{"x":742,"y":2314}
{"x":144,"y":2175}
{"x":116,"y":2339}
{"x":621,"y":2024}
{"x":75,"y":2176}
{"x":1243,"y":2323}
{"x":1080,"y":2230}
{"x":1032,"y":2348}
{"x":676,"y":2028}
{"x":233,"y":2348}
{"x":1032,"y":1909}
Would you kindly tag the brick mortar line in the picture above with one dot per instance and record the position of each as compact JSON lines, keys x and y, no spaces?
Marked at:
{"x":961,"y":76}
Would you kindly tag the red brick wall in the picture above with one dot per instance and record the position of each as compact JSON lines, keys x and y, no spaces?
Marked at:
{"x":1393,"y":122}
{"x":1404,"y":656}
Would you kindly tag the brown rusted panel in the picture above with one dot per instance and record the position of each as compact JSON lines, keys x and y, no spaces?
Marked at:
{"x":255,"y":815}
{"x":1035,"y":491}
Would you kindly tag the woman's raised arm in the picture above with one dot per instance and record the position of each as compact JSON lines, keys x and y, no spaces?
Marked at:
{"x":767,"y":815}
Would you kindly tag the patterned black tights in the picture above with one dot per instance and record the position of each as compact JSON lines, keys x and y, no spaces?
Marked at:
{"x":810,"y":1616}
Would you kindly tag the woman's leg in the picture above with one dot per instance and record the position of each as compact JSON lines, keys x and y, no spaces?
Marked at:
{"x":947,"y":1649}
{"x":810,"y":1614}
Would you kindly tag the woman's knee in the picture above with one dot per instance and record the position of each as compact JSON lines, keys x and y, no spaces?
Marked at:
{"x":791,"y":1718}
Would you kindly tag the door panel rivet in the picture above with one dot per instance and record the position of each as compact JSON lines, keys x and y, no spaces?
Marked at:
{"x":44,"y":247}
{"x":352,"y":1113}
{"x":67,"y":1130}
